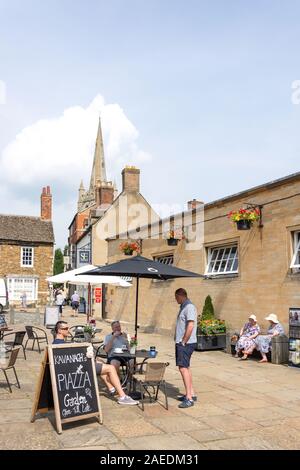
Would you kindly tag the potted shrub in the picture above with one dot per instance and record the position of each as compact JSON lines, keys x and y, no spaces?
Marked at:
{"x":244,"y":218}
{"x":88,"y":332}
{"x":129,"y":247}
{"x":211,"y":332}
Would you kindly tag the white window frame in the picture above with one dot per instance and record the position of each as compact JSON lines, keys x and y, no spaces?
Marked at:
{"x":225,"y":272}
{"x":296,"y":253}
{"x":32,"y":256}
{"x":162,"y":259}
{"x":19,"y":289}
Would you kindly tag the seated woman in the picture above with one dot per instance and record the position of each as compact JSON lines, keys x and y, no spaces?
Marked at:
{"x":263,"y":343}
{"x":247,"y":335}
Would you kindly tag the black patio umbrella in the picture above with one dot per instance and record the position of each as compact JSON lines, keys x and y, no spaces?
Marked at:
{"x":141,"y":267}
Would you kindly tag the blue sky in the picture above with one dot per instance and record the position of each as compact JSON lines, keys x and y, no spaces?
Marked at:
{"x":207,"y":86}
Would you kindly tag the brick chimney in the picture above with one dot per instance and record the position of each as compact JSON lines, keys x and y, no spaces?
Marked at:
{"x":131,"y":179}
{"x":105,"y":194}
{"x":46,"y":204}
{"x":194,"y":204}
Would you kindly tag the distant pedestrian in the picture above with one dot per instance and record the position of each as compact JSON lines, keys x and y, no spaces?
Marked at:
{"x":75,"y":303}
{"x":60,"y":301}
{"x":186,"y":341}
{"x":24,"y":300}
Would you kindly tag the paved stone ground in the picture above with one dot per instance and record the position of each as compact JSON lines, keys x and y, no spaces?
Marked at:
{"x":241,"y":405}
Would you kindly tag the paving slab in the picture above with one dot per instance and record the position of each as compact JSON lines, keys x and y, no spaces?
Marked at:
{"x":87,"y":436}
{"x":229,"y":422}
{"x":178,"y":441}
{"x":249,"y":443}
{"x":227,"y":391}
{"x":206,"y":435}
{"x":178,"y":424}
{"x":132,"y":428}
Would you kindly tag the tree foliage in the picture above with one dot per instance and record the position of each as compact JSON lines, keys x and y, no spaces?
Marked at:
{"x":208,"y":309}
{"x":58,"y":266}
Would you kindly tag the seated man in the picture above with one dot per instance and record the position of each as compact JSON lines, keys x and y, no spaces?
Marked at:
{"x":107,"y":372}
{"x":114,"y":340}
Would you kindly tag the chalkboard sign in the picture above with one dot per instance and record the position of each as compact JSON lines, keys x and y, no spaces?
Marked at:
{"x":52,"y":316}
{"x":71,"y":387}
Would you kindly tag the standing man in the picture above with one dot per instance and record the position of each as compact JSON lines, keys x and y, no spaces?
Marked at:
{"x":186,"y":341}
{"x":75,"y":303}
{"x":60,"y":301}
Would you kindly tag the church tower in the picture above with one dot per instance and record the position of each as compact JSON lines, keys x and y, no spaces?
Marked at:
{"x":89,"y":198}
{"x":99,"y":171}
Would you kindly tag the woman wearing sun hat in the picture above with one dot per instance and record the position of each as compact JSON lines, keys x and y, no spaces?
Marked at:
{"x":247,"y":335}
{"x":263,"y":343}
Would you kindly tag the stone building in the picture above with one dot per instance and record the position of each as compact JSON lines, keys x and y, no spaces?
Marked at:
{"x":26,"y":253}
{"x":250,"y":271}
{"x":102,"y":213}
{"x":91,"y":205}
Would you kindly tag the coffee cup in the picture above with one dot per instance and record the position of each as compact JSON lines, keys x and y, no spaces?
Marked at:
{"x":152,"y":351}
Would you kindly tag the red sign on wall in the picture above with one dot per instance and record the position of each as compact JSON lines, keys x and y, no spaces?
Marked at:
{"x":98,"y":295}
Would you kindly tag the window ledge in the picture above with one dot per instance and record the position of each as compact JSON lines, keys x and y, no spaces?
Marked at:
{"x":294,"y":274}
{"x":213,"y":277}
{"x":155,"y":281}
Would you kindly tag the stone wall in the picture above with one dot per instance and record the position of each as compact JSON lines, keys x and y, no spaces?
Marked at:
{"x":263,"y":285}
{"x":10,"y":264}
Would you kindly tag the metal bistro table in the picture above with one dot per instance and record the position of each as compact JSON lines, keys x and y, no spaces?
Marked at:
{"x":4,"y":330}
{"x":130,"y":367}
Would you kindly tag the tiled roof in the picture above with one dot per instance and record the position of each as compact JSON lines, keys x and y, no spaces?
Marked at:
{"x":25,"y":229}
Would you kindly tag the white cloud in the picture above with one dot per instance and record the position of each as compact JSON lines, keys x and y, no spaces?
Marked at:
{"x":59,"y":152}
{"x":51,"y":149}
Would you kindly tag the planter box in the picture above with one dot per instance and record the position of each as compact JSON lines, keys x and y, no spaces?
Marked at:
{"x":207,"y":342}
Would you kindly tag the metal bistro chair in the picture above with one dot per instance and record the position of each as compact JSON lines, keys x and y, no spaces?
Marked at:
{"x":77,"y":332}
{"x":18,"y":341}
{"x":11,"y":365}
{"x":35,"y":336}
{"x":152,"y":379}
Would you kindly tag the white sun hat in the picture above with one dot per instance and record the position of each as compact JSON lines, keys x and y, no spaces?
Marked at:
{"x":272,"y":317}
{"x":253,"y":317}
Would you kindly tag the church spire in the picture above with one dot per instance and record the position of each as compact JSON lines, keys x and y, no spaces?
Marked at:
{"x":99,"y":171}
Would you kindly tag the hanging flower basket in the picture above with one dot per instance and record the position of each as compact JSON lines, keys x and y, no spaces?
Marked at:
{"x":128,"y":248}
{"x":244,"y":218}
{"x":243,"y":224}
{"x":172,"y":241}
{"x":173,"y":236}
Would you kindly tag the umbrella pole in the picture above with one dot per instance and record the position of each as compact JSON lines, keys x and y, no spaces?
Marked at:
{"x":89,"y":303}
{"x":136,"y":304}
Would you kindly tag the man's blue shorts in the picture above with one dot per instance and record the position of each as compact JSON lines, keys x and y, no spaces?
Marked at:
{"x":184,"y":353}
